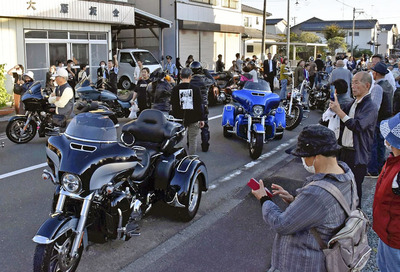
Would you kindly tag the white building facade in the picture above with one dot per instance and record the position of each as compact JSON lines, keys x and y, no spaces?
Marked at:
{"x":38,"y":34}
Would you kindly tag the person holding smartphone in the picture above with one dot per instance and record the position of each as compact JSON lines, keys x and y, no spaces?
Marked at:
{"x":295,"y":248}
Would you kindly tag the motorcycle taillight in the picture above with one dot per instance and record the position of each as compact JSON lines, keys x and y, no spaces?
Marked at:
{"x":289,"y":95}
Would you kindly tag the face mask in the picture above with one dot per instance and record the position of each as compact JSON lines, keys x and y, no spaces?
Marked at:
{"x":388,"y":146}
{"x":102,"y":66}
{"x":309,"y":169}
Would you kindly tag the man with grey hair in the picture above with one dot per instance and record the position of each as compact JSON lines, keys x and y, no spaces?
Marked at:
{"x":186,"y":102}
{"x":357,"y":128}
{"x":63,"y":95}
{"x":341,"y":72}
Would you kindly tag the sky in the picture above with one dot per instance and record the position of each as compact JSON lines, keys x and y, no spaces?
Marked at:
{"x":385,"y":11}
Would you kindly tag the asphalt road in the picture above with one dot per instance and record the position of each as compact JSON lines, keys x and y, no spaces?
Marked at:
{"x":26,"y":199}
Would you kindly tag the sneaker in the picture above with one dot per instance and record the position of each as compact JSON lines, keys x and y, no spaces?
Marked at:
{"x":372,"y":175}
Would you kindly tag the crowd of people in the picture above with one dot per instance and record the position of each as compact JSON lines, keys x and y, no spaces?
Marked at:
{"x":368,"y":120}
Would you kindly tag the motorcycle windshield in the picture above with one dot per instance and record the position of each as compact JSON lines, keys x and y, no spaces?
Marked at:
{"x":34,"y":91}
{"x":261,"y":85}
{"x":92,"y":127}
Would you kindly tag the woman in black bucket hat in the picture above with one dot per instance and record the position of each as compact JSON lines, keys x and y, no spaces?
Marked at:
{"x":295,"y":248}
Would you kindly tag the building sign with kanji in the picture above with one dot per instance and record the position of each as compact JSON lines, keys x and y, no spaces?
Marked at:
{"x":71,"y":10}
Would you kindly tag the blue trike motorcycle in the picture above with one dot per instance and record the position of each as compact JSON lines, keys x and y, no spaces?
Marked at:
{"x":255,"y":116}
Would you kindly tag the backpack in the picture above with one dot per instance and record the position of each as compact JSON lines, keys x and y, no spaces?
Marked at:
{"x":348,"y":249}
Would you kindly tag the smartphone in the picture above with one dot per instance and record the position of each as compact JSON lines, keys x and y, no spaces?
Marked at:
{"x":333,"y":92}
{"x":253,"y":184}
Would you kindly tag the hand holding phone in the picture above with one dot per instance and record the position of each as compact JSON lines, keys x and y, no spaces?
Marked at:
{"x":253,"y":184}
{"x":332,"y":93}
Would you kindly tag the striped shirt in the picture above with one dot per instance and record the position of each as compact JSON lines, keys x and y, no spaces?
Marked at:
{"x":295,"y":248}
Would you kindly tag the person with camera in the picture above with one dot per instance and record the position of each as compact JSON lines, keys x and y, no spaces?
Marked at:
{"x":295,"y":248}
{"x":16,"y":72}
{"x":203,"y":80}
{"x":386,"y":206}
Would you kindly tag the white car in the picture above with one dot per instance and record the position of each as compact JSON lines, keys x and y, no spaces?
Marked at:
{"x":127,"y":61}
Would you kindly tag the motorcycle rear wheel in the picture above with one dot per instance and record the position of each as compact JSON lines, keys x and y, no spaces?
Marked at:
{"x":193,"y":201}
{"x":294,"y":118}
{"x":256,"y":145}
{"x":227,"y":133}
{"x":16,"y":134}
{"x":55,"y":257}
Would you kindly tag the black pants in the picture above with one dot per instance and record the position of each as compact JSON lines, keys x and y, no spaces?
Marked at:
{"x":270,"y":79}
{"x":359,"y":170}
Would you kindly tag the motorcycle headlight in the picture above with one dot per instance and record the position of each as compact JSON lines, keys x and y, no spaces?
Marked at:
{"x":258,"y":110}
{"x":71,"y":183}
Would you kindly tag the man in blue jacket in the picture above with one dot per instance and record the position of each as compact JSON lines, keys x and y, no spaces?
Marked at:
{"x":357,"y":128}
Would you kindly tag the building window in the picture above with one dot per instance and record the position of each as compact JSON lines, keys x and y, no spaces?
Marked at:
{"x":233,"y":4}
{"x":250,"y":48}
{"x":247,"y":22}
{"x":210,"y":2}
{"x":47,"y":47}
{"x":355,"y":34}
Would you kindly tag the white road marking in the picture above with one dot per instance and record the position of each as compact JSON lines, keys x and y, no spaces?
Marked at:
{"x":3,"y":136}
{"x":252,"y":163}
{"x":214,"y":117}
{"x":23,"y":170}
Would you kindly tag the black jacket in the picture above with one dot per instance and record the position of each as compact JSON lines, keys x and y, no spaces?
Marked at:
{"x":386,"y":109}
{"x":186,"y":103}
{"x":363,"y":128}
{"x":203,"y":82}
{"x":266,"y":68}
{"x":159,"y":93}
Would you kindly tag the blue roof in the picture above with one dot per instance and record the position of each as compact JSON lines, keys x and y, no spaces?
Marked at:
{"x":348,"y":24}
{"x":274,"y":21}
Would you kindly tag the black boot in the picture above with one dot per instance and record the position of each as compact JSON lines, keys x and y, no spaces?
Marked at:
{"x":204,"y":147}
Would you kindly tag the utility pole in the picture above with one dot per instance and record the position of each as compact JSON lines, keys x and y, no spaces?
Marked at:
{"x":359,"y":11}
{"x":263,"y":31}
{"x":288,"y":31}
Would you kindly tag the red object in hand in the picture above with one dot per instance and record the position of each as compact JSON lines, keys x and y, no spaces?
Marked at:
{"x":253,"y":184}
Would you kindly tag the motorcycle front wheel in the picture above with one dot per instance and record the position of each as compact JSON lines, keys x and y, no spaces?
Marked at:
{"x":293,"y":118}
{"x":55,"y":256}
{"x":256,"y":145}
{"x":16,"y":133}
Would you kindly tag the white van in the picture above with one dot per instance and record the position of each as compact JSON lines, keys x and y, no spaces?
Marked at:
{"x":127,"y":61}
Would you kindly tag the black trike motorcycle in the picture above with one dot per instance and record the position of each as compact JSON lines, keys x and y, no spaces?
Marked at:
{"x":105,"y":186}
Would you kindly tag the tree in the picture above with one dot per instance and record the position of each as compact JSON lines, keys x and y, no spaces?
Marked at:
{"x":308,"y":37}
{"x":333,"y":31}
{"x":336,"y":43}
{"x":4,"y":96}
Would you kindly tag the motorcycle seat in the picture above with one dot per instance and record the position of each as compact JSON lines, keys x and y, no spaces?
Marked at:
{"x":152,"y":126}
{"x":141,"y":170}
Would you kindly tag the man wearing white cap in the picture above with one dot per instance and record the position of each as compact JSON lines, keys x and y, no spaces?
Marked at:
{"x":63,"y":95}
{"x":386,"y":207}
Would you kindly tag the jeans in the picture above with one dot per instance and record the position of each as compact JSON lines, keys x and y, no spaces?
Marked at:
{"x":377,"y":157}
{"x":192,"y":132}
{"x":387,"y":258}
{"x":282,"y":94}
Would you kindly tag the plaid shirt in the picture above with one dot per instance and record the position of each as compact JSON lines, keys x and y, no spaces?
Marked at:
{"x":295,"y":248}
